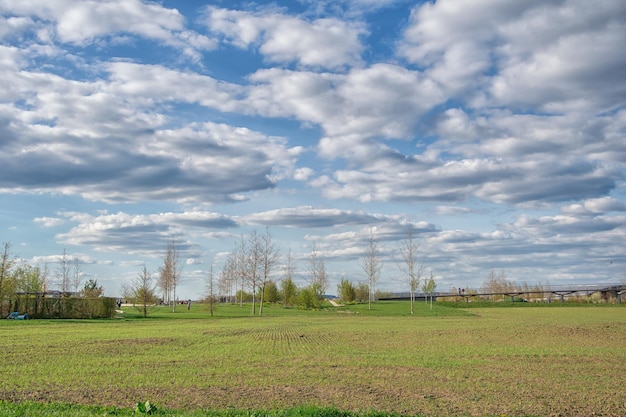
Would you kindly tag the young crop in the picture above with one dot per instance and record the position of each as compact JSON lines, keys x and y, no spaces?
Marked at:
{"x":444,"y":362}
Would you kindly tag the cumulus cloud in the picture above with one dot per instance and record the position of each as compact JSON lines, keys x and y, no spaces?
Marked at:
{"x":82,"y":23}
{"x":595,"y":206}
{"x":381,"y":100}
{"x":326,"y":42}
{"x":527,"y":54}
{"x":145,"y":234}
{"x":100,"y":139}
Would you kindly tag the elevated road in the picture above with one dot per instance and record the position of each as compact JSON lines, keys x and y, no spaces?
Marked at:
{"x":560,"y":292}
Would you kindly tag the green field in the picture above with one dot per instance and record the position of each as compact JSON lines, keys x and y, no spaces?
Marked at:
{"x":515,"y":361}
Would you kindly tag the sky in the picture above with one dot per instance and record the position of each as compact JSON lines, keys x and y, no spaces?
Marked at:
{"x":494,"y":131}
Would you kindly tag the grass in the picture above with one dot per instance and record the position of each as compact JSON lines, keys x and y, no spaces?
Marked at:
{"x":31,"y":409}
{"x":515,"y":361}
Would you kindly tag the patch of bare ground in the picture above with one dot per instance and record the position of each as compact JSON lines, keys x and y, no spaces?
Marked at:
{"x":470,"y":393}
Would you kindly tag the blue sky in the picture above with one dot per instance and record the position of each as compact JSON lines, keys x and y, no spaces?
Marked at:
{"x":496,"y":131}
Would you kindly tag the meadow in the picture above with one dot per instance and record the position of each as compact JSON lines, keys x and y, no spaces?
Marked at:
{"x":509,"y":361}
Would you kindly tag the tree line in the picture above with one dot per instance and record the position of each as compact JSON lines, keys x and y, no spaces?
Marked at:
{"x":18,"y":276}
{"x":254,"y":272}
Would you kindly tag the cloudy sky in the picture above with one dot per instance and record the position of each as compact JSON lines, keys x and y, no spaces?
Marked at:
{"x":495,"y":131}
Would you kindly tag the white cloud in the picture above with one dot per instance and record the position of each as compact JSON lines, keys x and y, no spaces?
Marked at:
{"x":528,"y":54}
{"x":451,"y":210}
{"x":307,"y":217}
{"x":302,"y":174}
{"x":14,"y":26}
{"x":595,"y":206}
{"x":146,"y":234}
{"x":105,"y":139}
{"x":327,"y":42}
{"x":381,"y":100}
{"x":49,"y":221}
{"x":489,"y":113}
{"x":83,"y":22}
{"x":146,"y":85}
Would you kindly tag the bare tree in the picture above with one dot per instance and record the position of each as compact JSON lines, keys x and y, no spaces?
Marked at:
{"x":371,"y":265}
{"x":76,"y":274}
{"x":7,"y":274}
{"x":269,"y":262}
{"x":64,"y":273}
{"x":210,"y":292}
{"x":409,"y":265}
{"x":289,"y":269}
{"x":497,"y":284}
{"x":142,"y":292}
{"x":317,"y":272}
{"x":169,"y":274}
{"x":253,"y":265}
{"x":228,"y":277}
{"x":240,"y":267}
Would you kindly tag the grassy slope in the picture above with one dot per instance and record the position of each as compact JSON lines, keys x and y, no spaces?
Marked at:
{"x":512,"y":361}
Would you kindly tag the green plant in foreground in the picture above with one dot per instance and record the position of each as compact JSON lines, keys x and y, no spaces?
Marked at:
{"x":145,"y":408}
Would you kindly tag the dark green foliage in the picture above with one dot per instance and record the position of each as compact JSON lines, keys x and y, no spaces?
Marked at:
{"x":39,"y":306}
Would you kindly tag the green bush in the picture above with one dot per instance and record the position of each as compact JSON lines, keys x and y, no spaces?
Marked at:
{"x":39,"y":306}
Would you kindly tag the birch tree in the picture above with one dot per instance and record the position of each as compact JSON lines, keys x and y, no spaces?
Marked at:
{"x":269,"y":262}
{"x":317,"y":272}
{"x":372,"y":266}
{"x":169,"y":274}
{"x":288,"y":288}
{"x":76,"y":274}
{"x":253,"y":265}
{"x":228,"y":277}
{"x":240,"y":267}
{"x":210,"y":290}
{"x":410,"y":266}
{"x":429,"y":288}
{"x":63,"y":273}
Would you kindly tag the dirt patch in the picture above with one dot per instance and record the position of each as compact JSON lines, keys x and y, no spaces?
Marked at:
{"x":433,"y":398}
